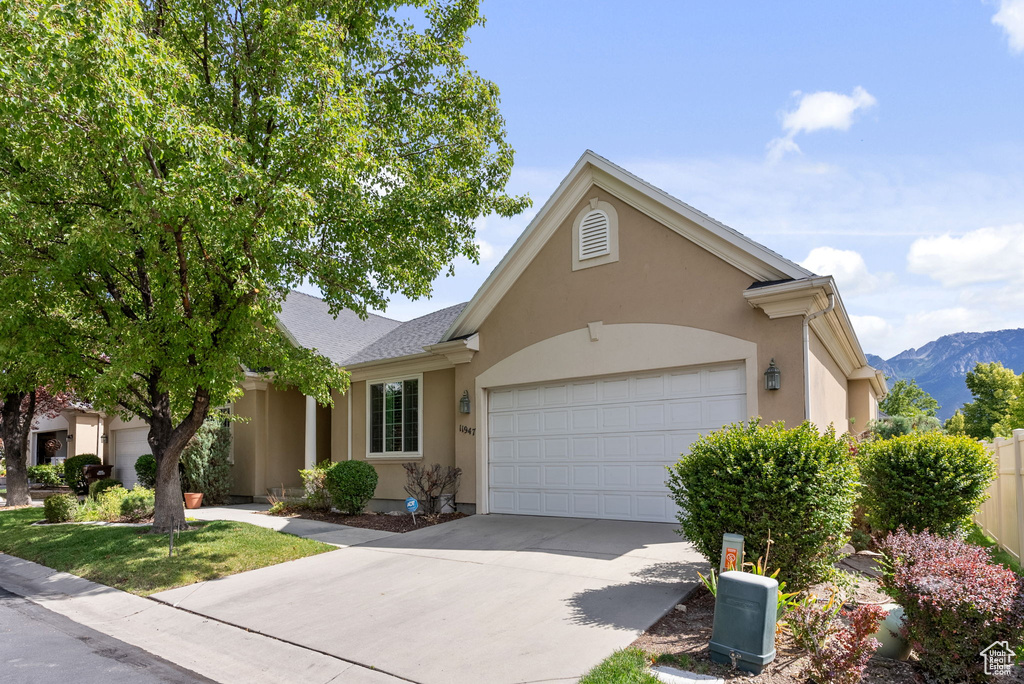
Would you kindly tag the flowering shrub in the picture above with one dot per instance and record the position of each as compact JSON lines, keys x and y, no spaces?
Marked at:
{"x":955,"y":600}
{"x":838,"y":654}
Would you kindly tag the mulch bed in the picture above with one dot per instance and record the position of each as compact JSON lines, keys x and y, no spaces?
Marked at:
{"x":378,"y":521}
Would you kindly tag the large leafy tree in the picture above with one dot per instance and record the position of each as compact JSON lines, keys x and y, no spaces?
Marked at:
{"x":907,"y":398}
{"x":170,"y":168}
{"x":995,"y":388}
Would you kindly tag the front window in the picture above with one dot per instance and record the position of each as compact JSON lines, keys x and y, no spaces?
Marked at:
{"x":395,"y":417}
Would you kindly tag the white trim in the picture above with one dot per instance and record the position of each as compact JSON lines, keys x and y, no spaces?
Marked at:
{"x":621,"y":349}
{"x":385,"y":455}
{"x":348,"y":456}
{"x":752,"y":258}
{"x":611,"y":255}
{"x":404,"y":365}
{"x":310,"y":434}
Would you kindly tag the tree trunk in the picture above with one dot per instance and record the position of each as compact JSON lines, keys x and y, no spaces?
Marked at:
{"x":15,"y":439}
{"x":167,"y":443}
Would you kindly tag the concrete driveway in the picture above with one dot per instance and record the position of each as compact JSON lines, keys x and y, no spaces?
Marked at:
{"x":492,"y":598}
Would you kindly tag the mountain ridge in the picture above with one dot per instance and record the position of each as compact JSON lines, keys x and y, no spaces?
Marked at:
{"x":940,"y":366}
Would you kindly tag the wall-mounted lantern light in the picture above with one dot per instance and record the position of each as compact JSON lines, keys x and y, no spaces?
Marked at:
{"x":772,"y":377}
{"x":464,"y":402}
{"x":71,"y":438}
{"x":103,"y":439}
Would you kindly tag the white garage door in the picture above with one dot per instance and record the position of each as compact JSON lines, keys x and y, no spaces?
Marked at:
{"x":598,"y":447}
{"x":129,"y":444}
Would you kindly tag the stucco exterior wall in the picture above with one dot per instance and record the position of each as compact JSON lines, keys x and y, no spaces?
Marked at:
{"x":439,"y":412}
{"x":828,"y":388}
{"x":286,"y":444}
{"x":660,"y":278}
{"x":249,"y":444}
{"x":862,"y":405}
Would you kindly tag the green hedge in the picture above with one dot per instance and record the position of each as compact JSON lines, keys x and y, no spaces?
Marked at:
{"x":206,"y":462}
{"x":46,"y":474}
{"x":100,"y":486}
{"x":74,"y":469}
{"x":60,"y":508}
{"x":145,"y":470}
{"x":351,"y":484}
{"x":797,"y":485}
{"x":925,"y":480}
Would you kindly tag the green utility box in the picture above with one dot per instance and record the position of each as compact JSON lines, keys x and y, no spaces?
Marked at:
{"x":746,"y":609}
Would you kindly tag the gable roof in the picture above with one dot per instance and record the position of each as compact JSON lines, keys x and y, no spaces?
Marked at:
{"x":308,"y":322}
{"x":409,"y":337}
{"x":751,"y":257}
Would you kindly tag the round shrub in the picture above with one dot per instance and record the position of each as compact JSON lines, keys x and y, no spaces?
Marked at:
{"x":145,"y":470}
{"x":60,"y":508}
{"x":351,"y":484}
{"x":797,"y":486}
{"x":137,"y":504}
{"x":925,"y":480}
{"x":75,"y":466}
{"x":100,"y":486}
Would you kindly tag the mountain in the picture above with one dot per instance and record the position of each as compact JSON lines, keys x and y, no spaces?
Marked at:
{"x":940,"y":366}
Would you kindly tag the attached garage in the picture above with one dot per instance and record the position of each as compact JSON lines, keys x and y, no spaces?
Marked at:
{"x":598,"y":447}
{"x":129,"y":444}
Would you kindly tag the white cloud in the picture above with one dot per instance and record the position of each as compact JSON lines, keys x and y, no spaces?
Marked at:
{"x":819,"y":111}
{"x":847,"y":267}
{"x":487,"y":250}
{"x":1011,"y":18}
{"x":873,"y":331}
{"x":986,"y":255}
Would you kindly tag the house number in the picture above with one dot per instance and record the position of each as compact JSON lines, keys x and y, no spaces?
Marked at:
{"x":467,"y":430}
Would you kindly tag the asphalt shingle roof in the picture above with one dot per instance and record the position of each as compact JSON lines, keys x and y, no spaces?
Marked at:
{"x":309,"y":320}
{"x":410,"y":337}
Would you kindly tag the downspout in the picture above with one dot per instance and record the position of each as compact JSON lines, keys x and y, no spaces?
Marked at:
{"x":807,"y":352}
{"x":349,"y":416}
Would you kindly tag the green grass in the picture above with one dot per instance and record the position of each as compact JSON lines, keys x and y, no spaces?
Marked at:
{"x":129,"y":559}
{"x":628,"y":666}
{"x":999,"y":555}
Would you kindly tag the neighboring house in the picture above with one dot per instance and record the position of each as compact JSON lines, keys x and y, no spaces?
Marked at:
{"x":620,"y":326}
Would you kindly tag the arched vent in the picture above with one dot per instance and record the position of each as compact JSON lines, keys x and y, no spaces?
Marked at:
{"x":594,"y":235}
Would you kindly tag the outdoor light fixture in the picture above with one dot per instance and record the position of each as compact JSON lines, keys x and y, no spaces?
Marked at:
{"x":772,"y":377}
{"x":464,"y":402}
{"x":103,"y":439}
{"x":71,"y":438}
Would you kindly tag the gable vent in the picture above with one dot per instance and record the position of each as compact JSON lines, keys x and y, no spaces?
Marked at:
{"x":594,"y":235}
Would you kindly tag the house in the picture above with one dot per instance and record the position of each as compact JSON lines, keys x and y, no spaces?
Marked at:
{"x":621,"y":325}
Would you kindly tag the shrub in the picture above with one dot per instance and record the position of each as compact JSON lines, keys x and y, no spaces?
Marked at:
{"x":315,"y":482}
{"x":431,"y":484}
{"x":145,"y":470}
{"x":74,"y":468}
{"x":351,"y":484}
{"x":137,"y":504}
{"x":895,"y":426}
{"x":925,"y":480}
{"x":955,"y":600}
{"x":100,"y":486}
{"x":205,"y":461}
{"x":60,"y":508}
{"x":842,"y":657}
{"x":795,"y":487}
{"x":46,"y":475}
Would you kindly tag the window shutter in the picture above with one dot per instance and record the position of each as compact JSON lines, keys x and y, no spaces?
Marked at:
{"x":594,"y":235}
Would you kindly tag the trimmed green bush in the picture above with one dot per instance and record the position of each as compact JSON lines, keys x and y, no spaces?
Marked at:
{"x":925,"y":481}
{"x":100,"y":486}
{"x":46,"y":475}
{"x":74,"y":468}
{"x":145,"y":470}
{"x":60,"y":508}
{"x":797,"y":486}
{"x":206,"y":462}
{"x":137,"y":504}
{"x":351,"y":484}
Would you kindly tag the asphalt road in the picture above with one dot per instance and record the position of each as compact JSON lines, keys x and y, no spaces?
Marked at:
{"x":38,"y":646}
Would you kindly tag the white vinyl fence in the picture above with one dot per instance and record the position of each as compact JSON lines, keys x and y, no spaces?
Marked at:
{"x":1002,"y":516}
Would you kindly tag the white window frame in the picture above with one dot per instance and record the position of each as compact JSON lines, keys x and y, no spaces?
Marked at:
{"x":395,"y":455}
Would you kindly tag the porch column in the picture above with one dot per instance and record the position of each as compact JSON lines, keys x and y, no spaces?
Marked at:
{"x":310,"y":432}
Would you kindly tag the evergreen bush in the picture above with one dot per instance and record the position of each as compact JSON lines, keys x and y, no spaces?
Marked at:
{"x":60,"y":508}
{"x":100,"y":486}
{"x":74,"y":469}
{"x":45,"y":475}
{"x":925,"y":481}
{"x":206,"y":466}
{"x":145,"y":470}
{"x":797,"y":486}
{"x":351,"y":484}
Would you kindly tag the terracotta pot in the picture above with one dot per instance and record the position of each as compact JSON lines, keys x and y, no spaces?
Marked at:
{"x":193,"y":500}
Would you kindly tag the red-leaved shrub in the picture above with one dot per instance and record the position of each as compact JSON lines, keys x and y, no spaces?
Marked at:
{"x":956,"y":602}
{"x":838,"y":655}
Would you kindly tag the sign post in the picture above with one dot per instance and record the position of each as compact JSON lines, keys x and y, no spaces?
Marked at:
{"x":411,"y":504}
{"x":732,"y":552}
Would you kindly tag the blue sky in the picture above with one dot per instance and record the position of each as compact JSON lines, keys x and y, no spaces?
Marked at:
{"x":880,"y":142}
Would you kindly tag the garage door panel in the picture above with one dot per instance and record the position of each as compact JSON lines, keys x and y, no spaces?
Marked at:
{"x":598,"y":448}
{"x":129,"y":444}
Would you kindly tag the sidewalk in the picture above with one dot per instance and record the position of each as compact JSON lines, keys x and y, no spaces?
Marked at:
{"x":337,"y":535}
{"x":210,"y":648}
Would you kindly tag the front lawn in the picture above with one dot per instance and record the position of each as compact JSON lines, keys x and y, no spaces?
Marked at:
{"x":628,"y":666}
{"x":129,"y":559}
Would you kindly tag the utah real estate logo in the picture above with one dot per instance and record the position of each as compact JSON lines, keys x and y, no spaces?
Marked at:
{"x":998,"y":659}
